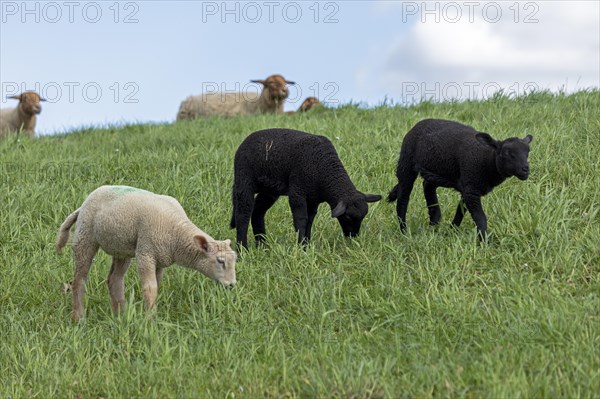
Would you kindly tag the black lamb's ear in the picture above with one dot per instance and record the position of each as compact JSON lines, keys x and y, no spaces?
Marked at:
{"x":372,"y":197}
{"x":486,"y":139}
{"x":528,"y":139}
{"x":339,"y":210}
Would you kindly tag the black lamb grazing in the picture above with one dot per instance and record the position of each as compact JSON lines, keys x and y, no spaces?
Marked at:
{"x":450,"y":154}
{"x":303,"y":166}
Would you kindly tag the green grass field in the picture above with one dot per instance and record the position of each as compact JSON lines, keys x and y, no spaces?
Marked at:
{"x":432,"y":313}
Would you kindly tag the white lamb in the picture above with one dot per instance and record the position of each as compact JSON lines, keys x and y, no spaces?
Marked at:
{"x":23,"y":116}
{"x":127,"y":222}
{"x":270,"y":100}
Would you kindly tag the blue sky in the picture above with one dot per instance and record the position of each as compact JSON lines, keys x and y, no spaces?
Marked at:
{"x":108,"y":62}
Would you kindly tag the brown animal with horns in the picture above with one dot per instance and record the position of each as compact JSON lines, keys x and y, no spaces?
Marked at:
{"x":22,"y":118}
{"x":270,"y":100}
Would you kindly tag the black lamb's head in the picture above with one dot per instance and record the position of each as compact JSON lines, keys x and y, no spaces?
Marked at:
{"x":351,"y":211}
{"x":511,"y":154}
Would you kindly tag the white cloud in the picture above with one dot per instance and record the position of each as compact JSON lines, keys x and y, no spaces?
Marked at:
{"x":477,"y":48}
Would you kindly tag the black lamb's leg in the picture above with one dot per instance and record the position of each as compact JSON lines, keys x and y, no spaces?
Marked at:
{"x":473,"y":203}
{"x":243,"y":211}
{"x":300,"y":214}
{"x":312,"y":212}
{"x":233,"y":201}
{"x":262,"y":203}
{"x":405,"y":186}
{"x":429,"y":189}
{"x":460,"y":213}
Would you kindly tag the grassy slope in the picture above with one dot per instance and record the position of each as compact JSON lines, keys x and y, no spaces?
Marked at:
{"x":432,"y":313}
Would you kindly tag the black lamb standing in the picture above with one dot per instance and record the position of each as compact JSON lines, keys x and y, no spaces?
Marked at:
{"x":450,"y":154}
{"x":303,"y":166}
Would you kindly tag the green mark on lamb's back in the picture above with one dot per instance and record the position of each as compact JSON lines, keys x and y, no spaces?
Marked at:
{"x":123,"y":190}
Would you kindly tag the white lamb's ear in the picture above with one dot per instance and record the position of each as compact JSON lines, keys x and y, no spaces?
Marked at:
{"x":202,"y":242}
{"x":228,"y":242}
{"x":339,"y":210}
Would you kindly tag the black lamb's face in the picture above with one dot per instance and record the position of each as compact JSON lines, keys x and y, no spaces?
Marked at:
{"x":353,"y":217}
{"x":351,"y":212}
{"x":512,"y":157}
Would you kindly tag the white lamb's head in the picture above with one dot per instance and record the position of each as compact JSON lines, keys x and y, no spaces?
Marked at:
{"x":218,"y":262}
{"x":275,"y":88}
{"x":29,"y":102}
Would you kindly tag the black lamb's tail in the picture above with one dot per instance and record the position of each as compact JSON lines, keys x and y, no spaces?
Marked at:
{"x":393,"y":194}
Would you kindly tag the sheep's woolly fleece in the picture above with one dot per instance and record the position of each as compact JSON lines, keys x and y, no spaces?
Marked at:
{"x":301,"y":165}
{"x":270,"y":100}
{"x":450,"y":154}
{"x":127,"y":222}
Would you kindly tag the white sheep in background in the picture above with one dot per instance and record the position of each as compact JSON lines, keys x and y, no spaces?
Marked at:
{"x":270,"y":100}
{"x":127,"y":222}
{"x":23,"y":116}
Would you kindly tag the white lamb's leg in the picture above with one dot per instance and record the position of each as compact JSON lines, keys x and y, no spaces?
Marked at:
{"x":83,"y":253}
{"x":147,"y":272}
{"x":159,"y":274}
{"x":116,"y":283}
